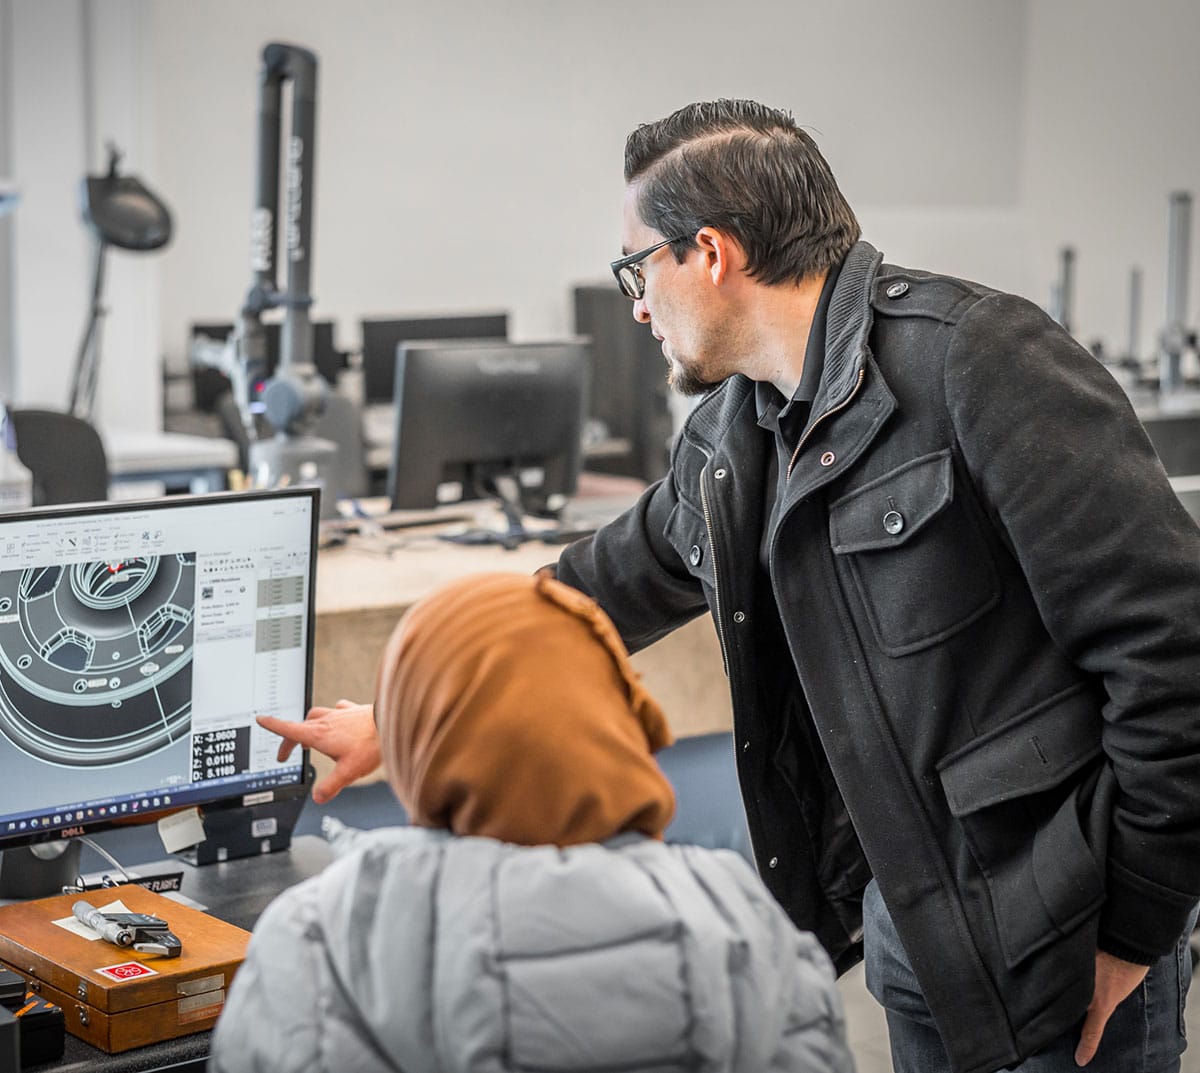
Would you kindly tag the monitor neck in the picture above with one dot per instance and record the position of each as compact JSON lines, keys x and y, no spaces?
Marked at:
{"x":40,"y":870}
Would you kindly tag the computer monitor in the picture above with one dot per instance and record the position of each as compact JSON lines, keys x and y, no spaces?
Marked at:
{"x":629,"y":385}
{"x":474,"y":416}
{"x":138,"y":641}
{"x":381,"y":337}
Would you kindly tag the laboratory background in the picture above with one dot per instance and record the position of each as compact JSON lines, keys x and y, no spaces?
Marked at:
{"x":466,"y":158}
{"x":468,"y":154}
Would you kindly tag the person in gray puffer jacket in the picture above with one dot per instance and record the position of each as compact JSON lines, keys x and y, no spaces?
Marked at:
{"x":532,"y":918}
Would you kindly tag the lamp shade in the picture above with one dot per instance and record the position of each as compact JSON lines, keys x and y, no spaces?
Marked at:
{"x":123,"y":213}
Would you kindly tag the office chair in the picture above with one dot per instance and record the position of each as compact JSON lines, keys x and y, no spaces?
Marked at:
{"x":64,"y":454}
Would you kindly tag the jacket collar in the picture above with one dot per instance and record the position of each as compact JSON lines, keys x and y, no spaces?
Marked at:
{"x":847,"y":328}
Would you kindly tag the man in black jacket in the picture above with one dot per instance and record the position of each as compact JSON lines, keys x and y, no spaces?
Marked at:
{"x":958,"y":603}
{"x":961,"y":665}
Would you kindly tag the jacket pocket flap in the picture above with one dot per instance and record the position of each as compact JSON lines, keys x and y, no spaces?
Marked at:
{"x":890,"y":509}
{"x":1034,"y":752}
{"x":687,"y":533}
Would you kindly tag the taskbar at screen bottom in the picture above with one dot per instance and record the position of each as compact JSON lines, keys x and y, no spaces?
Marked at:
{"x":145,"y":806}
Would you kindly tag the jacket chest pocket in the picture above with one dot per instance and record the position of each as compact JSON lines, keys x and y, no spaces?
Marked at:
{"x":688,"y":535}
{"x":915,"y":554}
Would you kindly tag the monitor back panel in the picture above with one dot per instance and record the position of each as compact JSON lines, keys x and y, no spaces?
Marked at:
{"x":479,"y":404}
{"x":381,"y":337}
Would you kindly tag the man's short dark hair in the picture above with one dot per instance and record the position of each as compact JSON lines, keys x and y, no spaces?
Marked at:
{"x":749,"y":171}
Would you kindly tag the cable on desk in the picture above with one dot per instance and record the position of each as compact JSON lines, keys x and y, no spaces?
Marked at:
{"x":106,"y":880}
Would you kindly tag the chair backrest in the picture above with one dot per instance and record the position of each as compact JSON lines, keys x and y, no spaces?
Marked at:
{"x":64,"y":454}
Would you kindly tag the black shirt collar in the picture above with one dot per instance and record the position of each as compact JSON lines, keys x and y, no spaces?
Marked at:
{"x":773,"y":409}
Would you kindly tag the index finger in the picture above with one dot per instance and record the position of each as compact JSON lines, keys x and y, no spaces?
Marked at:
{"x":291,"y":732}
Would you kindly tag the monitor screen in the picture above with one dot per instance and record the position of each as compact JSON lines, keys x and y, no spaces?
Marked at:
{"x":469,"y":412}
{"x":138,"y":641}
{"x":381,"y":337}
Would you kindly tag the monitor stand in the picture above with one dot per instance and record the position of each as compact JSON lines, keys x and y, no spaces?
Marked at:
{"x":505,"y":490}
{"x":247,"y":831}
{"x":40,"y":870}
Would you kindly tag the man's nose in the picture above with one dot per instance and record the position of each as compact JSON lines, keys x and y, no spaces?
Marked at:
{"x":640,"y":313}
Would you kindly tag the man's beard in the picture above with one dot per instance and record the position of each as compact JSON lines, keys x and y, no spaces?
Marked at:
{"x":686,"y":381}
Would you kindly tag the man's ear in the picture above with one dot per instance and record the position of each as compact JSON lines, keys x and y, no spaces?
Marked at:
{"x":720,"y":254}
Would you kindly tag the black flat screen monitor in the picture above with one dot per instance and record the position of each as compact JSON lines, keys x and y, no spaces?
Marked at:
{"x":381,"y":337}
{"x":138,"y":641}
{"x":469,"y":413}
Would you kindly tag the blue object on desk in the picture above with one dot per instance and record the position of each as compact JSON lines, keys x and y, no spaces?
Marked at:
{"x":701,"y":769}
{"x":709,"y":810}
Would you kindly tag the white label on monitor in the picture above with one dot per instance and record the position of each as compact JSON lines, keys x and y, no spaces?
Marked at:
{"x":265,"y":828}
{"x":181,"y":829}
{"x":260,"y":798}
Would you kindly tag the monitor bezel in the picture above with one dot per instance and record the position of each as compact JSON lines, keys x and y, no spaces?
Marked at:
{"x":412,"y":356}
{"x":378,"y":357}
{"x":302,"y":787}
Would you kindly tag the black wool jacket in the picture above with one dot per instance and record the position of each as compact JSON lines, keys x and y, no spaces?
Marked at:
{"x":974,"y":670}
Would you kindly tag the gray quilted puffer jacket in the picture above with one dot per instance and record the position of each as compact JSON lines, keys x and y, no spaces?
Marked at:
{"x":424,"y":952}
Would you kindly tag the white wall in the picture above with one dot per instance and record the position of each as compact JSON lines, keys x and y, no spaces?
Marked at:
{"x":469,"y":152}
{"x":123,"y":106}
{"x":1111,"y":127}
{"x":51,"y":251}
{"x":77,"y":82}
{"x":7,"y":304}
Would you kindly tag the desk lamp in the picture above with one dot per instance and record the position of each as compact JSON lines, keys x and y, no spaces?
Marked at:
{"x":121,"y":212}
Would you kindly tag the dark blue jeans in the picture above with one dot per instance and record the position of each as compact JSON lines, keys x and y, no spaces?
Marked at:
{"x":1144,"y":1035}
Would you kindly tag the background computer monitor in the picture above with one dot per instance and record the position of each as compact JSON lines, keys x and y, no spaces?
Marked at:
{"x":629,"y":385}
{"x":470,"y":412}
{"x":138,"y":641}
{"x":381,"y":337}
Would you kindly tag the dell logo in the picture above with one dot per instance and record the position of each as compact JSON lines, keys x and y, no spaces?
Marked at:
{"x":497,"y":366}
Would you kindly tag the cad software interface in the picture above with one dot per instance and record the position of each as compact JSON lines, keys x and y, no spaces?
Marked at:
{"x":136,"y":648}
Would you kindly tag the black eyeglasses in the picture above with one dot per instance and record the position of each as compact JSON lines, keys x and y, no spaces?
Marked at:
{"x":628,"y":270}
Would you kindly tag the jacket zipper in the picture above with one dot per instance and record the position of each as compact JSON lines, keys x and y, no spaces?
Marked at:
{"x":809,"y":431}
{"x":708,"y":524}
{"x":712,"y":551}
